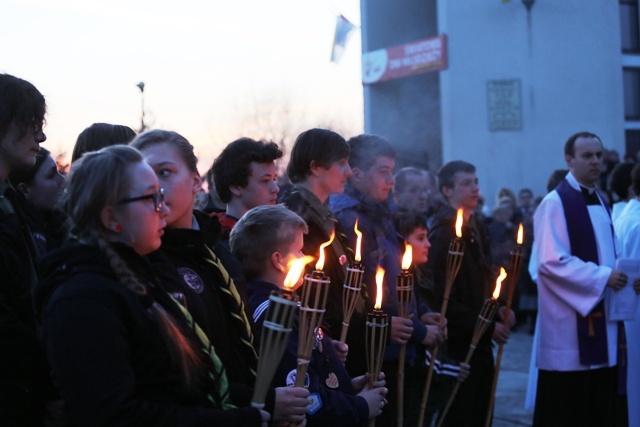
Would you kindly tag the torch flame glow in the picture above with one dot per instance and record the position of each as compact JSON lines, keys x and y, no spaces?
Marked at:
{"x":408,"y":257}
{"x":520,"y":234}
{"x":459,"y":223}
{"x":358,"y":242}
{"x":501,"y":277}
{"x":320,"y":263}
{"x":296,"y":267}
{"x":379,"y":278}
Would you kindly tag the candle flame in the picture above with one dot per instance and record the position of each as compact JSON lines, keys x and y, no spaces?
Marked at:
{"x":520,"y":234}
{"x":379,"y":278}
{"x":358,"y":241}
{"x":459,"y":223}
{"x":408,"y":256}
{"x":296,"y":267}
{"x":501,"y":277}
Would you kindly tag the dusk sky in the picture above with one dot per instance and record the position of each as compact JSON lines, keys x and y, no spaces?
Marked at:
{"x":212,"y":71}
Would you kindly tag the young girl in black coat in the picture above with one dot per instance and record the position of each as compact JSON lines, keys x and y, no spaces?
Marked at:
{"x":122,"y":351}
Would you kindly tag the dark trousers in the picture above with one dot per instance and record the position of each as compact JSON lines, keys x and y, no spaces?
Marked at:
{"x":579,"y":398}
{"x":470,"y":406}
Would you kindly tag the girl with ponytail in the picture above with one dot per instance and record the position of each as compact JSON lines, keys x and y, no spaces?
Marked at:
{"x":122,"y":351}
{"x":209,"y":277}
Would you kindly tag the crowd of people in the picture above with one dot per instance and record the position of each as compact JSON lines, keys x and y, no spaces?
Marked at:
{"x":128,"y":298}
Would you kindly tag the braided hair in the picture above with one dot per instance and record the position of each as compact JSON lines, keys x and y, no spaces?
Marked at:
{"x":97,"y":180}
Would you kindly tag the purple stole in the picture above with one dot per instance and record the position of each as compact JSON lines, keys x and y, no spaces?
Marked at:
{"x":592,"y":329}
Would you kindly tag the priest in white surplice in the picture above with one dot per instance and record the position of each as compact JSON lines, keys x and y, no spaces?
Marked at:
{"x":577,"y":346}
{"x":627,"y":228}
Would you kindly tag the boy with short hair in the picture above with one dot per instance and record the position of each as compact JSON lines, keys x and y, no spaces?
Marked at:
{"x":413,"y":229}
{"x":458,"y":183}
{"x":245,"y":177}
{"x":265,"y":240}
{"x":372,"y":162}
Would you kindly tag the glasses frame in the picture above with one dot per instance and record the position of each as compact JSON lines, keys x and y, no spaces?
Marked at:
{"x":157,"y":197}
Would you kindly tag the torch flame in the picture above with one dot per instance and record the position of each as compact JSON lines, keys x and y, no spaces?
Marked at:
{"x":358,"y":241}
{"x":296,"y":267}
{"x":520,"y":234}
{"x":408,"y":256}
{"x":379,"y":278}
{"x":501,"y":277}
{"x":459,"y":223}
{"x":320,"y":263}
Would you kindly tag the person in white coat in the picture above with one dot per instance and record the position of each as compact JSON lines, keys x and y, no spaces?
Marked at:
{"x":577,"y":346}
{"x":627,"y":227}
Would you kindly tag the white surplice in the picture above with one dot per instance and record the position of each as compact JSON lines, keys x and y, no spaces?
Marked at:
{"x":568,"y":285}
{"x":627,"y":227}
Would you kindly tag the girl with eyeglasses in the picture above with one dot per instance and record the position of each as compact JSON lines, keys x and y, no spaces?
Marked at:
{"x":122,"y":350}
{"x":208,"y":273}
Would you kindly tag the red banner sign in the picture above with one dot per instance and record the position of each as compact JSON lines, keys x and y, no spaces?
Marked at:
{"x":417,"y":57}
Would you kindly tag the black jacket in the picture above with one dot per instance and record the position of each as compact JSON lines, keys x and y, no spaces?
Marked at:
{"x":184,"y":255}
{"x":108,"y":358}
{"x":472,"y":284}
{"x":24,"y":378}
{"x":334,"y":267}
{"x":333,"y":401}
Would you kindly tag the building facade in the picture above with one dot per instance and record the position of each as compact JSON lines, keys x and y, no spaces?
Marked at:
{"x":520,"y":77}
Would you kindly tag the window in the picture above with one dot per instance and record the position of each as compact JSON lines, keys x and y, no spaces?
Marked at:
{"x":631,"y":81}
{"x":632,"y":145}
{"x":629,"y":26}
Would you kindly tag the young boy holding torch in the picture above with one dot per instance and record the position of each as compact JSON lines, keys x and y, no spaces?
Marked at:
{"x":266,"y":240}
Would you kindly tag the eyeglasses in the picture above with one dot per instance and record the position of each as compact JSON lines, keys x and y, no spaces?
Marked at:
{"x":156,"y":196}
{"x":37,"y":125}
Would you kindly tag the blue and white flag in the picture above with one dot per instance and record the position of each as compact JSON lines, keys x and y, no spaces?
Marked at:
{"x":343,"y":29}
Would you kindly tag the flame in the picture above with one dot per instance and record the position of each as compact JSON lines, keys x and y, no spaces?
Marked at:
{"x":459,"y":223}
{"x":379,"y":278}
{"x":520,"y":234}
{"x":320,"y":263}
{"x":501,"y":277}
{"x":358,"y":241}
{"x":296,"y":267}
{"x":408,"y":256}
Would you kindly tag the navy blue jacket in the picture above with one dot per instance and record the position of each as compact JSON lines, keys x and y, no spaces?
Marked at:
{"x":339,"y":406}
{"x":382,"y":246}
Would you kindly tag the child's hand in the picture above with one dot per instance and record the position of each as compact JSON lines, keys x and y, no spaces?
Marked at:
{"x":291,"y":404}
{"x":501,"y":333}
{"x":434,"y":336}
{"x":401,"y":329}
{"x":512,"y":317}
{"x":465,"y":370}
{"x":359,"y":383}
{"x":375,"y":399}
{"x":431,"y":318}
{"x":342,"y":349}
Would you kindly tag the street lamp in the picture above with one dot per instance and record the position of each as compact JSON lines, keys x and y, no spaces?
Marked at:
{"x":142,"y":125}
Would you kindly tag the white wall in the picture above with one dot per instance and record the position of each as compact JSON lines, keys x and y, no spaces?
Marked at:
{"x":566,"y":54}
